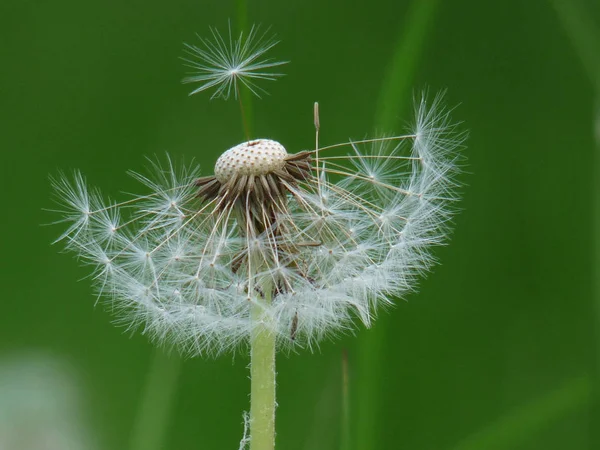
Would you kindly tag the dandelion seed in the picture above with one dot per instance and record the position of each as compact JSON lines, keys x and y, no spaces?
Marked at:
{"x":324,"y":236}
{"x":223,"y":63}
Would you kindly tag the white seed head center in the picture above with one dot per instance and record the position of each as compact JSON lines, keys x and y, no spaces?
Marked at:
{"x":257,"y":157}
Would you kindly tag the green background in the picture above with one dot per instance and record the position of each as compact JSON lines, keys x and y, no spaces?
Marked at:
{"x":497,"y":350}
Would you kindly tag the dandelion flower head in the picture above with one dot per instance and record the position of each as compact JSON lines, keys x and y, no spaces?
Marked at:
{"x":312,"y":240}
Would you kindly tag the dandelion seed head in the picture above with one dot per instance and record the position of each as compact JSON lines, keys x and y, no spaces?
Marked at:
{"x":315,"y":240}
{"x":253,"y":158}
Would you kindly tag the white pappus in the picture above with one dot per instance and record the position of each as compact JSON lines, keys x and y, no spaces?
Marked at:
{"x":314,"y":238}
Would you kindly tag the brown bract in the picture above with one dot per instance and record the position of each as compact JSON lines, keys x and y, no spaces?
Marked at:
{"x":261,"y":196}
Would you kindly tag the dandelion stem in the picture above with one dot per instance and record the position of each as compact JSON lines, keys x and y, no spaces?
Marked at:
{"x":262,"y":373}
{"x":244,"y":122}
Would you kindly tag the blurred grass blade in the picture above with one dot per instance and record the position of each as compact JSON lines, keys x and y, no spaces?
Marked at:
{"x":584,"y":35}
{"x":515,"y":429}
{"x":393,"y":98}
{"x":322,"y":434}
{"x":397,"y":84}
{"x":345,"y":425}
{"x":150,"y":427}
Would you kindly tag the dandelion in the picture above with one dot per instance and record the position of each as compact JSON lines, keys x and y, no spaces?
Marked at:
{"x":274,"y":249}
{"x":311,"y":239}
{"x":223,"y":63}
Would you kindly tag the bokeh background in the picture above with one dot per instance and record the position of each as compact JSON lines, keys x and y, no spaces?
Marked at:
{"x":497,"y":350}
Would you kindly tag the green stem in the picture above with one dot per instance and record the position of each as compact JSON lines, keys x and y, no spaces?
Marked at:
{"x":262,"y":372}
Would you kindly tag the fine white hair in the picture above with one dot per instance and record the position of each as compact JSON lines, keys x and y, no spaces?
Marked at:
{"x":350,"y":238}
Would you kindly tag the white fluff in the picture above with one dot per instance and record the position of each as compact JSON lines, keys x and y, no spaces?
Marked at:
{"x":361,"y":235}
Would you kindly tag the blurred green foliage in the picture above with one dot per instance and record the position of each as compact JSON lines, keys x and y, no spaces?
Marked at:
{"x":499,"y":349}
